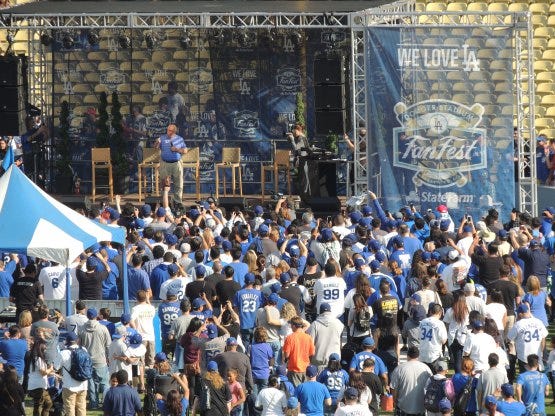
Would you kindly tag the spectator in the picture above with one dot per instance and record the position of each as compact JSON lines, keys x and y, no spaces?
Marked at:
{"x":271,"y":400}
{"x":74,"y":392}
{"x":326,"y":332}
{"x":12,"y":396}
{"x":90,"y":280}
{"x":75,"y":322}
{"x":213,"y":386}
{"x":122,"y":400}
{"x":142,"y":316}
{"x":532,"y":387}
{"x":26,"y":291}
{"x":313,"y":396}
{"x":434,"y":335}
{"x":479,"y":345}
{"x":261,"y":358}
{"x":490,"y":381}
{"x":352,"y":405}
{"x":48,"y":331}
{"x":177,"y":330}
{"x":13,"y":350}
{"x":37,"y":385}
{"x":508,"y":405}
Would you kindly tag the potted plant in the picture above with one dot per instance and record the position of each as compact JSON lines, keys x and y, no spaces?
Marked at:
{"x":118,"y":146}
{"x":299,"y":109}
{"x":63,"y":180}
{"x":332,"y":140}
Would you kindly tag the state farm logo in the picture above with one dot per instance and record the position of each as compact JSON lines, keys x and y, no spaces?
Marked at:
{"x":201,"y":79}
{"x":288,"y":80}
{"x":440,"y":140}
{"x":112,"y":78}
{"x":246,"y":123}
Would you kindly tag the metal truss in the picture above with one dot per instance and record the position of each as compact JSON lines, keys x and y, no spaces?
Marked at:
{"x":524,"y":84}
{"x":178,"y":20}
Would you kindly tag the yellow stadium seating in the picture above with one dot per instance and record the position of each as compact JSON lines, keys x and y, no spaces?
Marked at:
{"x":539,"y":8}
{"x":484,"y":99}
{"x":548,"y":100}
{"x":90,"y":99}
{"x":552,"y":8}
{"x":549,"y":54}
{"x":551,"y":20}
{"x":82,"y":88}
{"x":540,"y":66}
{"x":544,"y":32}
{"x":550,"y":112}
{"x":544,"y":88}
{"x":92,"y":77}
{"x":518,"y":7}
{"x":498,"y":7}
{"x":98,"y":88}
{"x":544,"y":123}
{"x":477,"y":6}
{"x":461,"y":87}
{"x":456,"y":7}
{"x":172,"y":66}
{"x":545,"y":77}
{"x":436,"y":7}
{"x":540,"y":43}
{"x":550,"y":133}
{"x":139,"y":77}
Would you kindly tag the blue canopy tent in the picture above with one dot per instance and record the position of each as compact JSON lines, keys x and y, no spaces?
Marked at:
{"x":34,"y":223}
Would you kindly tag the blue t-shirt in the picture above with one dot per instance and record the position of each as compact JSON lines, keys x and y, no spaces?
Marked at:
{"x":166,"y":143}
{"x":511,"y":409}
{"x":537,"y":306}
{"x":161,"y":405}
{"x":158,"y":276}
{"x":110,"y":326}
{"x":247,"y":301}
{"x":358,"y":361}
{"x":261,"y":354}
{"x":311,"y":395}
{"x":6,"y":279}
{"x":241,"y":269}
{"x":167,"y":312}
{"x":13,"y":351}
{"x":533,"y":388}
{"x":137,"y":279}
{"x":109,"y":285}
{"x":335,"y":382}
{"x":122,"y":400}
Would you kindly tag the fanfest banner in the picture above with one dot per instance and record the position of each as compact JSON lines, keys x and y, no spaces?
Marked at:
{"x":222,"y":88}
{"x":440,"y":108}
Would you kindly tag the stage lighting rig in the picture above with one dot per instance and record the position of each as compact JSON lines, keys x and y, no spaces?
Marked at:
{"x":67,"y":40}
{"x":185,"y":40}
{"x":93,"y":38}
{"x":150,"y":40}
{"x":46,"y":39}
{"x":124,"y":41}
{"x":296,"y":37}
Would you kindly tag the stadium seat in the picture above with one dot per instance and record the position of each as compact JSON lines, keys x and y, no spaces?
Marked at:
{"x":477,"y":6}
{"x":86,"y":66}
{"x":540,"y":66}
{"x":549,"y":54}
{"x":499,"y":64}
{"x":463,"y":98}
{"x":544,"y":123}
{"x":540,"y":111}
{"x":551,"y":20}
{"x":461,"y":87}
{"x":545,"y":88}
{"x":544,"y":32}
{"x":92,"y":77}
{"x":456,"y":7}
{"x":550,"y":133}
{"x":161,"y":56}
{"x":552,"y":8}
{"x":90,"y":99}
{"x":125,"y":66}
{"x":146,"y":87}
{"x":548,"y":100}
{"x":436,"y":7}
{"x":139,"y":55}
{"x":499,"y":122}
{"x":503,"y":87}
{"x":498,"y":7}
{"x":82,"y":88}
{"x":507,"y":111}
{"x":545,"y":77}
{"x":538,"y":20}
{"x":98,"y":88}
{"x":97,"y":56}
{"x":106,"y":66}
{"x":171,"y":44}
{"x":484,"y":99}
{"x":541,"y":43}
{"x":139,"y":77}
{"x":504,"y":99}
{"x":518,"y":7}
{"x":539,"y":8}
{"x":150,"y":66}
{"x":182,"y":76}
{"x":180,"y":55}
{"x":172,"y":66}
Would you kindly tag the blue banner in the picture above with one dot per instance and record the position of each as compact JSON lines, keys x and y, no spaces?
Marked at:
{"x":440,"y":111}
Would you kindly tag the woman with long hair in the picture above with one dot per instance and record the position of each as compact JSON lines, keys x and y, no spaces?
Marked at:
{"x":214,"y":397}
{"x":364,"y":392}
{"x":271,"y":400}
{"x":25,"y":322}
{"x":536,"y":299}
{"x":516,"y":271}
{"x":250,"y":260}
{"x":191,"y":351}
{"x":12,"y":395}
{"x":444,"y":294}
{"x":496,"y":310}
{"x":37,"y":385}
{"x":362,"y":287}
{"x":427,"y":295}
{"x":359,"y":318}
{"x":460,"y":379}
{"x":262,"y":358}
{"x":457,"y":320}
{"x":261,"y":267}
{"x":175,"y":403}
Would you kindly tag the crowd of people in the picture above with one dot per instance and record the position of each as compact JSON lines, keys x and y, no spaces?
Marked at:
{"x":274,"y":312}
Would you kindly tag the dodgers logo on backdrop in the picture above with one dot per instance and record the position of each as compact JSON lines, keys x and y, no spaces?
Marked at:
{"x":246,"y":123}
{"x":201,"y":79}
{"x":288,"y":80}
{"x":440,"y":140}
{"x":112,"y":78}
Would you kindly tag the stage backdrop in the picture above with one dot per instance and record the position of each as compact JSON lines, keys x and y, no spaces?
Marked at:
{"x":233,"y":88}
{"x":440,"y":106}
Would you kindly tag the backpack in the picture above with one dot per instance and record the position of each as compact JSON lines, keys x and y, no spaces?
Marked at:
{"x":434,"y":393}
{"x":81,"y":365}
{"x":461,"y":400}
{"x":362,"y":320}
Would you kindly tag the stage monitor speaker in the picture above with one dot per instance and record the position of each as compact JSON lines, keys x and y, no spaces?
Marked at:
{"x":231,"y":203}
{"x":72,"y":201}
{"x":12,"y":123}
{"x":12,"y":99}
{"x":329,"y":71}
{"x":327,"y":97}
{"x":330,"y":122}
{"x":11,"y":72}
{"x":324,"y":205}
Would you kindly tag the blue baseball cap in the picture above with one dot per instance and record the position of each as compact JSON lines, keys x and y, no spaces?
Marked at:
{"x":212,"y":366}
{"x":146,"y":210}
{"x":250,"y":278}
{"x":366,"y":210}
{"x":198,"y":302}
{"x":326,"y":235}
{"x":160,"y":212}
{"x":125,"y":318}
{"x":173,"y":269}
{"x":294,"y":250}
{"x":226,"y":245}
{"x":263,"y":229}
{"x":374,"y":245}
{"x":200,"y":270}
{"x":292,"y":402}
{"x":171,"y":239}
{"x":258,"y":210}
{"x":212,"y":331}
{"x":355,"y":216}
{"x":368,"y":342}
{"x":359,"y":262}
{"x":273,"y":298}
{"x":276,"y":287}
{"x":284,"y":278}
{"x":375,"y":265}
{"x":426,"y":256}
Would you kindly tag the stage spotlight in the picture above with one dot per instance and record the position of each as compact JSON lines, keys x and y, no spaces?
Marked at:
{"x":150,"y":40}
{"x":67,"y":41}
{"x":185,"y":41}
{"x":124,"y":41}
{"x":93,"y":38}
{"x":46,"y":39}
{"x":296,"y":37}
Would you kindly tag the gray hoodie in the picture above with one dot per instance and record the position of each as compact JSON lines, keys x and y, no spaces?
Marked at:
{"x":96,"y":339}
{"x":326,"y":332}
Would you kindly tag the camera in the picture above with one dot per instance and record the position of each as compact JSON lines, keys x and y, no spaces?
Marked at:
{"x":469,"y":218}
{"x":277,"y":196}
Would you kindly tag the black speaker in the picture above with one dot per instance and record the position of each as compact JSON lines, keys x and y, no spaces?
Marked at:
{"x":329,"y":71}
{"x":12,"y":99}
{"x":12,"y":123}
{"x":11,"y":72}
{"x":231,"y":203}
{"x":330,"y":121}
{"x":327,"y":97}
{"x":326,"y":205}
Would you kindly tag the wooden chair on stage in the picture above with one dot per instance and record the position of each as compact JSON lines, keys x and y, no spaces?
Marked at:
{"x":100,"y":159}
{"x":191,"y":160}
{"x":151,"y":160}
{"x":231,"y":159}
{"x":281,"y":162}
